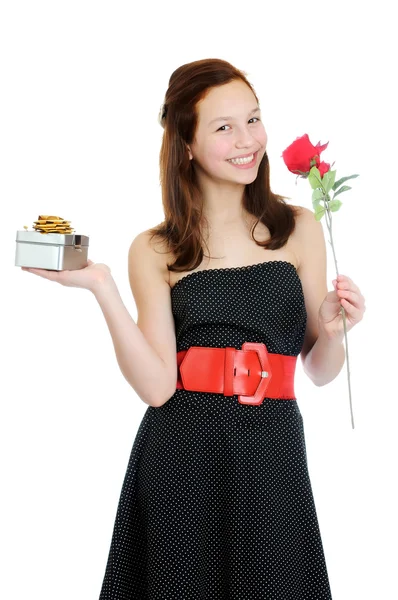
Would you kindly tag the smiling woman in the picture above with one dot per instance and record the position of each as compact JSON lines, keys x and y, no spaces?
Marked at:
{"x":217,"y":500}
{"x":200,"y":150}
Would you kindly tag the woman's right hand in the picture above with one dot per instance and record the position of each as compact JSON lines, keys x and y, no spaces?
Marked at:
{"x":89,"y":277}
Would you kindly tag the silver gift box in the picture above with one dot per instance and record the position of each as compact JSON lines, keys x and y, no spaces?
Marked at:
{"x":53,"y":251}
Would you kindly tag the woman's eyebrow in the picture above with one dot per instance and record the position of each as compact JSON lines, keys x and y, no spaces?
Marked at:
{"x":231,"y":118}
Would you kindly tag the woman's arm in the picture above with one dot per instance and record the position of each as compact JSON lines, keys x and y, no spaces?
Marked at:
{"x":146,"y":350}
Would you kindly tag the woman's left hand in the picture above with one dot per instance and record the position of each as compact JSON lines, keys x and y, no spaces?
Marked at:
{"x":347,"y":295}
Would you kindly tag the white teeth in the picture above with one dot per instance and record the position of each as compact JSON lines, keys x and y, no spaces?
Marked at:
{"x":242,"y":161}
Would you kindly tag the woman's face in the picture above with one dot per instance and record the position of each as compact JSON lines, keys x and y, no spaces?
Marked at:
{"x":241,"y":133}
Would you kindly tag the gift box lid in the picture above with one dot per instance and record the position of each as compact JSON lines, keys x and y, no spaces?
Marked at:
{"x":54,"y":239}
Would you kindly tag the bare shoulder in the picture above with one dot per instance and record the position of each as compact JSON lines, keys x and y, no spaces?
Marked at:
{"x":148,"y":251}
{"x":306,"y":233}
{"x":151,"y":291}
{"x":310,"y":245}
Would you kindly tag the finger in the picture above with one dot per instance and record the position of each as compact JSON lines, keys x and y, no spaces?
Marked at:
{"x":345,"y":283}
{"x":355,"y":313}
{"x":353,"y":289}
{"x":350,"y":296}
{"x":353,"y":304}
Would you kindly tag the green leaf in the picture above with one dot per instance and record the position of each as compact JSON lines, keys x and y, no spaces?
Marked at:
{"x":315,"y":179}
{"x":334,"y":205}
{"x":315,"y":203}
{"x":342,"y":189}
{"x":318,"y":203}
{"x":328,"y":180}
{"x":317,"y":194}
{"x":342,"y":180}
{"x":319,"y":212}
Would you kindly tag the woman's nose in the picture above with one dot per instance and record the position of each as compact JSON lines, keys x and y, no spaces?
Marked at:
{"x":244,"y":137}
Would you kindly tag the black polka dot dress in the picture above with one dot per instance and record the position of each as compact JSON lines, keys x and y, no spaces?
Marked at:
{"x":217,"y":501}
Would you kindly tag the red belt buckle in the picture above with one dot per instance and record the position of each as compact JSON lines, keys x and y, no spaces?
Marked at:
{"x":264,"y":372}
{"x":245,"y":373}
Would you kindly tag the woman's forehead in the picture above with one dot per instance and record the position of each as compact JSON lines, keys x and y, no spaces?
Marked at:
{"x":230,"y":101}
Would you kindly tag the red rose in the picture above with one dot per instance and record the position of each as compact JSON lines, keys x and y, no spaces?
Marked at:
{"x":301,"y":156}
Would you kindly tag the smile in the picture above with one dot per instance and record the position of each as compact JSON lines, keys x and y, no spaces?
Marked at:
{"x":249,"y":161}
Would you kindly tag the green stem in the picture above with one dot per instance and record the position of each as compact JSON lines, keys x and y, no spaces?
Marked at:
{"x":328,"y":217}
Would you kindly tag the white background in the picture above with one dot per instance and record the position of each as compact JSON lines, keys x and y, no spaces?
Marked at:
{"x":81,"y":87}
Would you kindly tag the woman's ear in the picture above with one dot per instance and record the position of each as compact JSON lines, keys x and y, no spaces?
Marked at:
{"x":189,"y":152}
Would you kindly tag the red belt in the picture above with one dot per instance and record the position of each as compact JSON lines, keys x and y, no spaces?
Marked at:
{"x":252,"y":373}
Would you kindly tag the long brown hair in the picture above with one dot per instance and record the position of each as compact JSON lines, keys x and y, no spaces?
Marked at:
{"x":181,"y":196}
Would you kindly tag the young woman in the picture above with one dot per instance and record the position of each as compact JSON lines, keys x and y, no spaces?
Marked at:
{"x":217,"y":501}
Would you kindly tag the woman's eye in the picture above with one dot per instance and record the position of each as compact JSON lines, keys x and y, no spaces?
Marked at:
{"x":228,"y":125}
